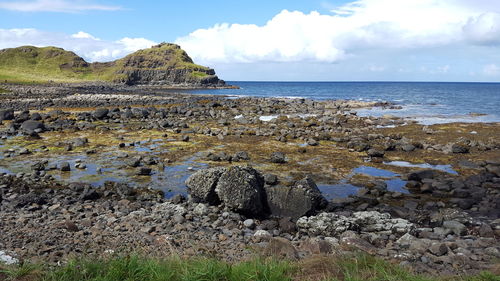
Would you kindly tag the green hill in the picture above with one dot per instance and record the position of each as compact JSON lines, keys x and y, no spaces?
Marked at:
{"x":163,"y":64}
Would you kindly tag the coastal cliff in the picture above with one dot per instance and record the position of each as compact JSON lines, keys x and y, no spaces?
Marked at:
{"x":164,"y":64}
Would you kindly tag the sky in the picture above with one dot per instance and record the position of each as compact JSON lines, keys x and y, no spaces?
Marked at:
{"x":292,"y":40}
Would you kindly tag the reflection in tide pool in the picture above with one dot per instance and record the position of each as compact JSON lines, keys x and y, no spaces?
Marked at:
{"x":341,"y":190}
{"x":444,"y":168}
{"x":374,"y":172}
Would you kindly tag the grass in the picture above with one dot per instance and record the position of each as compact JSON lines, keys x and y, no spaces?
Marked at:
{"x":32,"y":65}
{"x":2,"y":91}
{"x":132,"y":268}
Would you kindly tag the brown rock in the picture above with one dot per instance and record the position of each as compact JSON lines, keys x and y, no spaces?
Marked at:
{"x":280,"y":247}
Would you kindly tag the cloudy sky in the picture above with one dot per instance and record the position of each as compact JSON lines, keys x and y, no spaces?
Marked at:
{"x":301,"y":40}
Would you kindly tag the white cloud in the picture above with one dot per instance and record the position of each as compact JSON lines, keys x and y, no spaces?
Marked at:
{"x":60,"y":6}
{"x":83,"y":35}
{"x":293,"y":36}
{"x":491,"y":70}
{"x":82,"y":43}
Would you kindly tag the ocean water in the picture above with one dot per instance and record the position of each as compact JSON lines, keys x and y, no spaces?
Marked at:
{"x":426,"y":102}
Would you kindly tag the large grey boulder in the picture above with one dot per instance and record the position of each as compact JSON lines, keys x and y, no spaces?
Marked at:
{"x":7,"y":114}
{"x":100,"y":113}
{"x":242,"y":190}
{"x":32,"y":126}
{"x":301,"y":199}
{"x":201,"y":185}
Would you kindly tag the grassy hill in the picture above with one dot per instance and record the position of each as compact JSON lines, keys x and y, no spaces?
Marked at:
{"x":162,"y":64}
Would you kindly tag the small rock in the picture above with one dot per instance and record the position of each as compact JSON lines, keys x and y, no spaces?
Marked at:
{"x":65,"y":167}
{"x":249,"y":223}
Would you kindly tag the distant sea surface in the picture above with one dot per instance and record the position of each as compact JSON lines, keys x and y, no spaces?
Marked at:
{"x":426,"y":102}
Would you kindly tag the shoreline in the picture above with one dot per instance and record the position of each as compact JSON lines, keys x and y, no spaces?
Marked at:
{"x":433,"y":220}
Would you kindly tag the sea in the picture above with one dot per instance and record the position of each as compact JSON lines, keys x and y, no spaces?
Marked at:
{"x":426,"y":102}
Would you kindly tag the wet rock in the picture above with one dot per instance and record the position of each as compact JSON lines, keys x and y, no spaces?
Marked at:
{"x":459,"y":148}
{"x":408,"y":147}
{"x":270,"y":179}
{"x":278,"y":157}
{"x":32,"y":126}
{"x":6,"y":114}
{"x":375,"y":153}
{"x":29,"y":199}
{"x":144,"y":171}
{"x":303,"y":198}
{"x":79,"y":142}
{"x":65,"y":167}
{"x":201,"y":185}
{"x":241,"y":155}
{"x":312,"y":142}
{"x":420,"y":175}
{"x":100,"y":113}
{"x":241,"y":190}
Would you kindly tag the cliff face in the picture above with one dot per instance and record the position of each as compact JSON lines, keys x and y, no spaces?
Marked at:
{"x":163,"y":64}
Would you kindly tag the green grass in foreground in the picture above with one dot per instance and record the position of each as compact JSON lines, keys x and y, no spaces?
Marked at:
{"x":135,"y":268}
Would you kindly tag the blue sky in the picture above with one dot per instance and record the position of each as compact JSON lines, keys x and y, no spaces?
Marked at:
{"x":366,"y":40}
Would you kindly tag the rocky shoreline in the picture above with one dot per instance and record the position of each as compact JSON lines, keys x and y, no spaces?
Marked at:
{"x":261,"y":176}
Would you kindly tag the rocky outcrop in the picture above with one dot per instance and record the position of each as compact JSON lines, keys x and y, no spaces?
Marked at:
{"x":163,"y":64}
{"x":331,"y":224}
{"x":201,"y":185}
{"x":242,"y":190}
{"x":303,"y":198}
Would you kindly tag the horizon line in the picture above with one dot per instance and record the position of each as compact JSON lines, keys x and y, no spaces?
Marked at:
{"x":359,"y":81}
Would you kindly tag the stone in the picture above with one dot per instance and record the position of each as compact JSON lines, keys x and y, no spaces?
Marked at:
{"x":262,"y":234}
{"x":303,"y":198}
{"x":71,"y":226}
{"x":201,"y":185}
{"x":241,"y":155}
{"x":270,"y":179}
{"x":241,"y":189}
{"x":459,"y":148}
{"x":375,"y":153}
{"x":485,"y":230}
{"x":6,"y":114}
{"x":420,"y":175}
{"x":287,"y":225}
{"x":455,"y":226}
{"x":249,"y":223}
{"x":278,"y":157}
{"x":144,"y":171}
{"x":317,"y":246}
{"x":100,"y":113}
{"x":331,"y":224}
{"x":201,"y":209}
{"x":281,"y":248}
{"x":65,"y":167}
{"x":438,"y":249}
{"x":408,"y":147}
{"x":32,"y":126}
